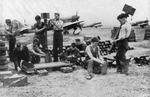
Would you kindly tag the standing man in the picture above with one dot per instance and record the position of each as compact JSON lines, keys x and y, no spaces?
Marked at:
{"x":11,"y":33}
{"x":40,"y":28}
{"x":57,"y":26}
{"x":122,"y":43}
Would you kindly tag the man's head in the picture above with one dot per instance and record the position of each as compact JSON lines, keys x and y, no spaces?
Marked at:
{"x":73,"y":45}
{"x":8,"y":22}
{"x":122,"y":18}
{"x":94,"y":41}
{"x":35,"y":41}
{"x":38,"y":19}
{"x":18,"y":44}
{"x":57,"y":16}
{"x":78,"y":41}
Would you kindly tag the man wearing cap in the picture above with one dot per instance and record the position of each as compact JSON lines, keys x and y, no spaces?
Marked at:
{"x":40,"y":28}
{"x":57,"y":26}
{"x":122,"y":43}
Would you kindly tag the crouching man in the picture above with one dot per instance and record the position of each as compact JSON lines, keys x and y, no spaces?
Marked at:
{"x":94,"y":58}
{"x":73,"y":53}
{"x":21,"y":55}
{"x":35,"y":51}
{"x":25,"y":56}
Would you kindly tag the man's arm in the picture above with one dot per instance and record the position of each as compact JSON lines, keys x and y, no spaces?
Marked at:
{"x":30,"y":47}
{"x":128,"y":30}
{"x":39,"y":54}
{"x":58,"y":26}
{"x":38,"y":30}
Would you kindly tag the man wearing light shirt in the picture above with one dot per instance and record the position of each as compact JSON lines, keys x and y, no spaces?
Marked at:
{"x":57,"y":26}
{"x":122,"y":43}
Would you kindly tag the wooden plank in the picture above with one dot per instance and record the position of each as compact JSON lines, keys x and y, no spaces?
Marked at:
{"x":4,"y":67}
{"x":5,"y":73}
{"x":29,"y":71}
{"x":19,"y":82}
{"x":7,"y":81}
{"x":42,"y":72}
{"x":50,"y":65}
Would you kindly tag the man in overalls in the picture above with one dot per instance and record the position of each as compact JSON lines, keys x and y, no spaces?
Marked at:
{"x":122,"y":43}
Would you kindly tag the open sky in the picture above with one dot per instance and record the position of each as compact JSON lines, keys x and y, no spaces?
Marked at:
{"x":90,"y":11}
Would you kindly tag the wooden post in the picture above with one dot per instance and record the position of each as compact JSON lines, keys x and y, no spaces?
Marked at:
{"x":45,"y":16}
{"x":45,"y":22}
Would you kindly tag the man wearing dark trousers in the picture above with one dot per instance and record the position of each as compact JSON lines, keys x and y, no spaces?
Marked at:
{"x":57,"y":26}
{"x":17,"y":58}
{"x":10,"y":32}
{"x":122,"y":43}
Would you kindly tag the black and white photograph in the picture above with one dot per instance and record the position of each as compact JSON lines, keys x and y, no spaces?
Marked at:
{"x":74,"y":48}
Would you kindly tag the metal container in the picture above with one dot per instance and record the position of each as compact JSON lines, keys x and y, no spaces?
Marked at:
{"x":128,"y":9}
{"x":45,"y":15}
